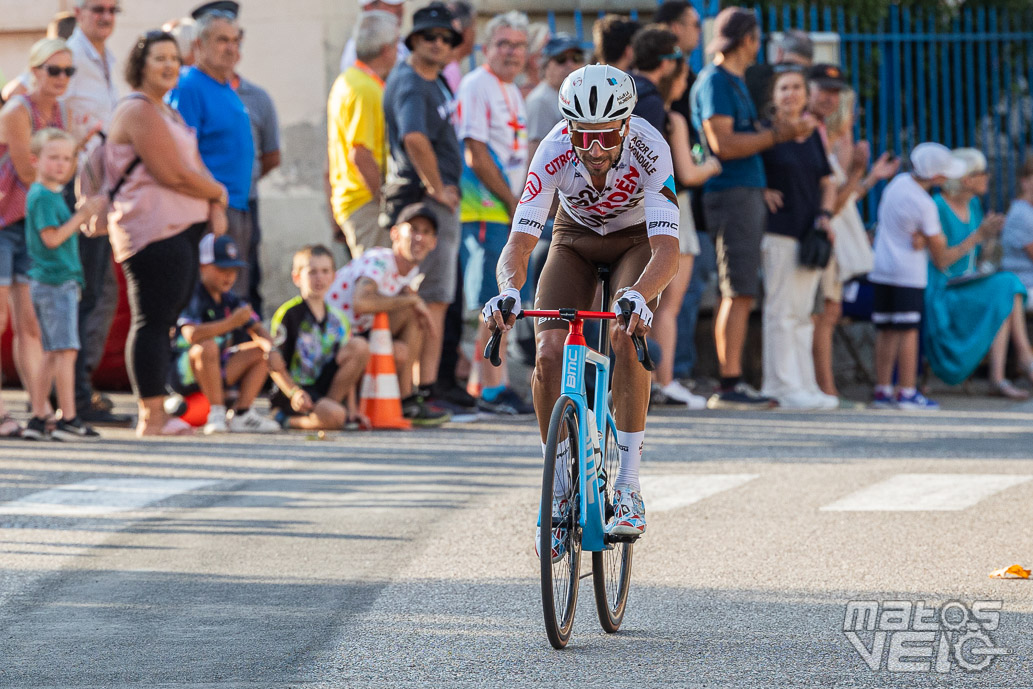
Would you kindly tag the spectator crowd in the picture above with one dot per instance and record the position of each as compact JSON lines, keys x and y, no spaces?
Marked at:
{"x":427,"y":157}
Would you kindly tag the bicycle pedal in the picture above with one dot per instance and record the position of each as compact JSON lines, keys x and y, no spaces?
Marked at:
{"x":613,"y":538}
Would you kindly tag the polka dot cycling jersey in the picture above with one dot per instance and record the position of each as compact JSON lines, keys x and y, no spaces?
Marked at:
{"x":639,"y":188}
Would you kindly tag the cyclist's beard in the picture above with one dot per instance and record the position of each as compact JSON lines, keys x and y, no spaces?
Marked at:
{"x":613,"y":163}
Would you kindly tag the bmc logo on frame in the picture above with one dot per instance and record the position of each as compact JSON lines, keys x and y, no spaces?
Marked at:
{"x":910,"y":636}
{"x":571,"y":374}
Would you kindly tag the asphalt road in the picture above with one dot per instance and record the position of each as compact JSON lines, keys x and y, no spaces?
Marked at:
{"x":405,"y":559}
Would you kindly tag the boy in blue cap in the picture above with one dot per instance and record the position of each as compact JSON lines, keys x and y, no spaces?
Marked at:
{"x":205,"y":357}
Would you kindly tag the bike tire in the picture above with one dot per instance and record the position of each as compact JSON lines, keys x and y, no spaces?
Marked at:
{"x":611,"y":569}
{"x":560,"y":579}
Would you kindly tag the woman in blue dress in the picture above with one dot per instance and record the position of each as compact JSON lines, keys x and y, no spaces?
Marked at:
{"x":969,"y":311}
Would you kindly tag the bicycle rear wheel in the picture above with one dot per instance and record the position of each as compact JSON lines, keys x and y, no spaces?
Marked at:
{"x":611,"y":569}
{"x":560,"y":578}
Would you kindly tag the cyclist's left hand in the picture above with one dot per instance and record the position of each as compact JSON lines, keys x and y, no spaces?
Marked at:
{"x":492,"y":315}
{"x":641,"y":317}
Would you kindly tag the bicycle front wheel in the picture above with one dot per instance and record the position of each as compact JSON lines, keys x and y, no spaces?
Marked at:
{"x":561,"y":569}
{"x":611,"y":569}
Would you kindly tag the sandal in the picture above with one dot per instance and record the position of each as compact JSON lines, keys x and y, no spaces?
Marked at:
{"x":9,"y":428}
{"x":1004,"y":388}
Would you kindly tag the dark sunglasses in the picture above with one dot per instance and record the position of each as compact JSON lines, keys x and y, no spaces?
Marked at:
{"x":568,"y":58}
{"x":99,"y":9}
{"x":431,"y":36}
{"x":608,"y":139}
{"x":54,"y":70}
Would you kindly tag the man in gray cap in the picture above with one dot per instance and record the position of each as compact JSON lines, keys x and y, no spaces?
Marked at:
{"x":563,"y":54}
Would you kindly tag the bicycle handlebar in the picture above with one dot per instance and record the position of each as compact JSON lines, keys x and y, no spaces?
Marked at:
{"x":491,"y":349}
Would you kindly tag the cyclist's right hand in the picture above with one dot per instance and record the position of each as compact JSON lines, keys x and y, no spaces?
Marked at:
{"x":492,"y":314}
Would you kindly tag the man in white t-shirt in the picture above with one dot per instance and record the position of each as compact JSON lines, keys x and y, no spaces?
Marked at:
{"x":384,"y":280}
{"x":907,"y":219}
{"x":493,"y":130}
{"x":92,"y":96}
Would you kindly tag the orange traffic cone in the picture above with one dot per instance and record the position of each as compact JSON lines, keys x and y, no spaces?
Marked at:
{"x":381,"y":402}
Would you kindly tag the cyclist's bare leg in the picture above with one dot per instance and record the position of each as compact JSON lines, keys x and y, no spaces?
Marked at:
{"x":630,"y":383}
{"x":546,"y":382}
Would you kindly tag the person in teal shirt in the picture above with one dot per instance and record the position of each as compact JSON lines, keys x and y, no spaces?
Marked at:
{"x":970,"y":310}
{"x":56,"y":278}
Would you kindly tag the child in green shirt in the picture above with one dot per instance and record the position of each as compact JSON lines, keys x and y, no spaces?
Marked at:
{"x":52,"y":240}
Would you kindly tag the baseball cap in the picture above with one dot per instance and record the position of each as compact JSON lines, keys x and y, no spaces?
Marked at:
{"x":930,"y":160}
{"x":418,"y":210}
{"x":221,"y":252}
{"x":731,"y":26}
{"x":559,"y":44}
{"x":227,"y":6}
{"x":828,"y":77}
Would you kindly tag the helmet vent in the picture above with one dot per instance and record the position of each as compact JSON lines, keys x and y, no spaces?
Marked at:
{"x":577,"y":106}
{"x":609,"y":104}
{"x":593,"y":100}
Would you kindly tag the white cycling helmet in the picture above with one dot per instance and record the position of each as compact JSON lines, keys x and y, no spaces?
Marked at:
{"x":597,"y":93}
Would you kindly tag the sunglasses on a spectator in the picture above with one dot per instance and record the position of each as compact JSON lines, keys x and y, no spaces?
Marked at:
{"x":54,"y":70}
{"x":431,"y":36}
{"x":608,"y":139}
{"x":100,"y":9}
{"x":569,"y":58}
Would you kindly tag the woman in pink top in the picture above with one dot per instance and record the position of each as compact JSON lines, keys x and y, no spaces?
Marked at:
{"x":156,"y":220}
{"x":50,"y":62}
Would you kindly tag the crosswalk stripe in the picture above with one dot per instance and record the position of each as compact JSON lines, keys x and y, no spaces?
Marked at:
{"x":671,"y":491}
{"x":100,"y":496}
{"x":926,"y":492}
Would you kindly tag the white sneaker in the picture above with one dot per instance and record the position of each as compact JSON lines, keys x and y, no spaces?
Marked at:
{"x":827,"y":401}
{"x":252,"y":422}
{"x":678,"y":392}
{"x":799,"y":400}
{"x":216,"y":420}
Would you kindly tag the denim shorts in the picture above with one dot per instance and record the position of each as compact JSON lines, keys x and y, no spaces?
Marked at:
{"x":57,"y":310}
{"x":14,"y":255}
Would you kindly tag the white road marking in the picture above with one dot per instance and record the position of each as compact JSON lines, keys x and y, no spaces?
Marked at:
{"x":101,"y":496}
{"x":672,"y":491}
{"x":926,"y":492}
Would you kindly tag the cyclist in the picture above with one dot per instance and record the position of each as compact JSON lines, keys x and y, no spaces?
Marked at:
{"x":617,"y":206}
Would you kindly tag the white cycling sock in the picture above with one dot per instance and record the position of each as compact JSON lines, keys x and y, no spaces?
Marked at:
{"x":561,"y":472}
{"x":629,"y":445}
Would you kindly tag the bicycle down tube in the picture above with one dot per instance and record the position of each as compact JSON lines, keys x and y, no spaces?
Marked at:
{"x":576,"y":353}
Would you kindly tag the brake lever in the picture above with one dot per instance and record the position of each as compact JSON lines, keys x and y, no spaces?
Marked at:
{"x":491,"y":349}
{"x":641,"y":349}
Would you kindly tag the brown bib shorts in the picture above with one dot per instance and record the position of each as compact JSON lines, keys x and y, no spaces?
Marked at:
{"x":569,"y":278}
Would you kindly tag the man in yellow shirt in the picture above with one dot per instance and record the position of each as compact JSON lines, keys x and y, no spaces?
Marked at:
{"x":357,"y":135}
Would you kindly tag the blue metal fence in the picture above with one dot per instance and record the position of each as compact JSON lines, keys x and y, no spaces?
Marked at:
{"x":920,"y":76}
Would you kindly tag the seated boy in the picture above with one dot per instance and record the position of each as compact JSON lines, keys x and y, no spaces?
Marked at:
{"x":381,"y":281}
{"x":52,"y":241}
{"x":204,"y":355}
{"x":316,"y":363}
{"x":908,"y":222}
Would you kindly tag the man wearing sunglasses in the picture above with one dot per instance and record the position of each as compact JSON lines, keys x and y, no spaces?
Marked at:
{"x":425,"y":150}
{"x":614,"y":178}
{"x":657,"y":56}
{"x":92,"y":95}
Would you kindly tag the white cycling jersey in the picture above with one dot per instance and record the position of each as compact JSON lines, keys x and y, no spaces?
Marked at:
{"x":639,"y":188}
